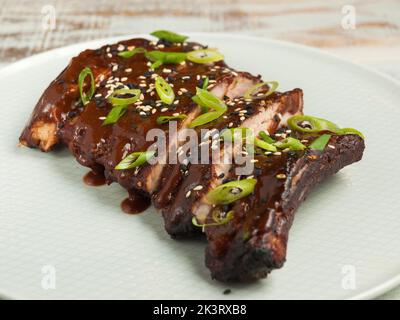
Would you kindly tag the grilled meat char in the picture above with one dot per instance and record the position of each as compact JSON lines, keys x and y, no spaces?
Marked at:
{"x":59,"y":118}
{"x":182,"y":193}
{"x":254,"y":242}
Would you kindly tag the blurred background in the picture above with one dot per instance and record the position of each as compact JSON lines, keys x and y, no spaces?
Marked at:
{"x":364,"y":31}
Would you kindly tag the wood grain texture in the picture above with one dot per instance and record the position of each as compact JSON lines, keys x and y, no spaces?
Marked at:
{"x":316,"y":23}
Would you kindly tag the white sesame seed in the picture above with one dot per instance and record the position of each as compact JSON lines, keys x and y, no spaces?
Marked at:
{"x":331,"y":146}
{"x":109,"y":55}
{"x":176,"y":102}
{"x":164,"y":109}
{"x":166,"y":70}
{"x":277,"y":153}
{"x":98,"y":95}
{"x":253,"y":160}
{"x":198,"y":188}
{"x":281,"y":176}
{"x":124,"y":79}
{"x":102,"y":118}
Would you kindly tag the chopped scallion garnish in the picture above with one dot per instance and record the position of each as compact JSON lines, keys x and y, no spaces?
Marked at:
{"x":252,"y":93}
{"x":161,"y":57}
{"x":85,"y":97}
{"x":115,"y":114}
{"x":291,"y":143}
{"x":264,"y":136}
{"x":205,"y":56}
{"x":169,"y":36}
{"x":165,"y":119}
{"x":207,"y":101}
{"x":131,"y":53}
{"x":134,"y":160}
{"x":117,"y":99}
{"x":309,"y":124}
{"x":205,"y":83}
{"x":320,"y":143}
{"x":164,"y":91}
{"x":231,"y":191}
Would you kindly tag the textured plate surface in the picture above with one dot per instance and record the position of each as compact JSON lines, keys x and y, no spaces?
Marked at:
{"x":345,"y":242}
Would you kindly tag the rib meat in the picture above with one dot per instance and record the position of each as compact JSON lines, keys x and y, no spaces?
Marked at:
{"x":176,"y":206}
{"x":254,"y":242}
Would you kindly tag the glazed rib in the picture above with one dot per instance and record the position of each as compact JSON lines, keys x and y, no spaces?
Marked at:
{"x":254,"y":242}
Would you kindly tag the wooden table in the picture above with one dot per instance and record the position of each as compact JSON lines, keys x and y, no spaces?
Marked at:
{"x":372,"y":38}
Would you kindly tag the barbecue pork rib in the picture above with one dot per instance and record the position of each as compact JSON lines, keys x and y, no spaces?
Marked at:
{"x":251,"y":244}
{"x":254,"y":242}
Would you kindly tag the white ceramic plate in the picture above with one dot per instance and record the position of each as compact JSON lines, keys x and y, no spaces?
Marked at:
{"x":345,"y":242}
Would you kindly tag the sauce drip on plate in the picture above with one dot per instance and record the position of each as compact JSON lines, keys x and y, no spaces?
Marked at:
{"x":94,"y":179}
{"x":135,"y":203}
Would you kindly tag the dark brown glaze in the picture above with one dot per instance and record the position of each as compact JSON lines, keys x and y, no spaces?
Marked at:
{"x":59,"y":117}
{"x":177,"y":207}
{"x":135,"y":203}
{"x":254,"y":242}
{"x":94,"y":178}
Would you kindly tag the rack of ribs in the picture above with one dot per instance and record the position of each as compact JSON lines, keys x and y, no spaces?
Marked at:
{"x":254,"y":241}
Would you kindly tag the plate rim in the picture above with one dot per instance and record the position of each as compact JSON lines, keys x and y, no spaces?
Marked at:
{"x":15,"y":67}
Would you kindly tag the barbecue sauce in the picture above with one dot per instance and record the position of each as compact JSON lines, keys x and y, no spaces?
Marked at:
{"x":94,"y":179}
{"x":135,"y":203}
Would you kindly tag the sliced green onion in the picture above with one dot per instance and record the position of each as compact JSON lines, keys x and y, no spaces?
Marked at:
{"x":169,"y":36}
{"x":251,"y":94}
{"x":165,"y":119}
{"x":205,"y":83}
{"x":204,"y":108}
{"x":85,"y":97}
{"x":115,"y":114}
{"x":207,"y":101}
{"x":115,"y":100}
{"x":164,"y":90}
{"x":217,"y":218}
{"x":131,"y":53}
{"x":320,"y":143}
{"x":317,"y":124}
{"x":351,"y":131}
{"x":205,"y":56}
{"x":134,"y":160}
{"x":264,"y":145}
{"x":231,"y":191}
{"x":291,"y":143}
{"x":156,"y":64}
{"x":166,"y":57}
{"x":211,"y":101}
{"x":264,"y":136}
{"x":205,"y":118}
{"x":231,"y":133}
